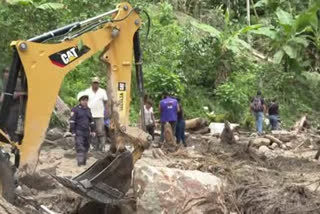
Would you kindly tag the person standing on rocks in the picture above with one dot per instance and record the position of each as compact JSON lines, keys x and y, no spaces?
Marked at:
{"x":258,"y":107}
{"x":168,"y":109}
{"x":273,"y":112}
{"x":181,"y":124}
{"x":81,"y":127}
{"x":98,"y":103}
{"x":150,"y":121}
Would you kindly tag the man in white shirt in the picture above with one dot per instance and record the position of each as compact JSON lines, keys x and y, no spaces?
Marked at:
{"x":149,"y":118}
{"x":97,"y":103}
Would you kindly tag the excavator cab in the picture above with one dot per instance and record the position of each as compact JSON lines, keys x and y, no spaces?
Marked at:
{"x":38,"y":68}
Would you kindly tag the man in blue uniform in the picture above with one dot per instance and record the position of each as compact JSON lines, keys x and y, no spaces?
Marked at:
{"x":82,"y":126}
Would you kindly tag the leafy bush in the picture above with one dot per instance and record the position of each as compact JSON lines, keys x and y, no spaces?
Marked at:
{"x":161,"y":80}
{"x":208,"y":60}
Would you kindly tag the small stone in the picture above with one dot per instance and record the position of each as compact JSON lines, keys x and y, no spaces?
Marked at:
{"x":26,"y":190}
{"x":18,"y":190}
{"x":289,"y":145}
{"x":34,"y":191}
{"x":274,"y":145}
{"x":236,"y":137}
{"x":67,"y":143}
{"x":264,"y":149}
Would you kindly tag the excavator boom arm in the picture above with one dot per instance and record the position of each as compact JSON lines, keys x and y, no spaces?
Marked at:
{"x":45,"y":66}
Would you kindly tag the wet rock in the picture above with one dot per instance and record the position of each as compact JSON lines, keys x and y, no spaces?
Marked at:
{"x":54,"y":134}
{"x":289,"y":145}
{"x":49,"y":143}
{"x":273,"y":146}
{"x":127,"y":209}
{"x":37,"y":181}
{"x":66,"y":143}
{"x":236,"y":137}
{"x":34,"y":191}
{"x":167,"y":190}
{"x":26,"y":190}
{"x":92,"y":207}
{"x":260,"y":141}
{"x":264,"y":149}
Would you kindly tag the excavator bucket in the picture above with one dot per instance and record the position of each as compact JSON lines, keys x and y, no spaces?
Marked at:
{"x":106,"y":181}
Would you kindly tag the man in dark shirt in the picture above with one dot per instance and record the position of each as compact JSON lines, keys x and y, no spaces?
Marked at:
{"x":273,"y":112}
{"x":82,"y":126}
{"x":258,"y":107}
{"x":181,"y":124}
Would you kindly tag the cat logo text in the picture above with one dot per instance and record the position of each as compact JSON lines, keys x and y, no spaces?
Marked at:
{"x":67,"y":56}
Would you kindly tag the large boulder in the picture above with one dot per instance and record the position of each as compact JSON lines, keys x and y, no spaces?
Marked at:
{"x":54,"y":134}
{"x":167,"y":190}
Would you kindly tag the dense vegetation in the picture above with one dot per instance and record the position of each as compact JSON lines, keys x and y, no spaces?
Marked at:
{"x":209,"y":53}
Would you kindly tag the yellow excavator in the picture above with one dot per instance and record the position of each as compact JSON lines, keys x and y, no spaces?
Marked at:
{"x":39,"y":66}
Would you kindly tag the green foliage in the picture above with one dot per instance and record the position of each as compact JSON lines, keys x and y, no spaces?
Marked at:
{"x":205,"y":59}
{"x":235,"y":95}
{"x":291,"y":36}
{"x":53,"y":6}
{"x":293,"y":91}
{"x":162,"y":80}
{"x":23,"y":20}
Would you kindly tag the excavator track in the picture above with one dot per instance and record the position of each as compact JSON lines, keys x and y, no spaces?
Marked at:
{"x":106,"y":181}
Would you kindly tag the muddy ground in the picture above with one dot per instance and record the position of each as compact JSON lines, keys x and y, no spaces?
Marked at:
{"x":285,"y":182}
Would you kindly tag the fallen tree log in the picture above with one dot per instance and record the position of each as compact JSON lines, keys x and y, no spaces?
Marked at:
{"x":303,"y":142}
{"x":260,"y":141}
{"x":204,"y":130}
{"x":196,"y":124}
{"x":7,"y":208}
{"x":276,"y":140}
{"x":299,"y":125}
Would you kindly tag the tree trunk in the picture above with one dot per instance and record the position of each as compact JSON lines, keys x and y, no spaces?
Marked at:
{"x":196,"y":123}
{"x":299,"y":125}
{"x":227,"y":134}
{"x":248,"y":12}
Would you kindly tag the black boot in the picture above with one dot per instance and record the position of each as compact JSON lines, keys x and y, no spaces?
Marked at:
{"x":80,"y":159}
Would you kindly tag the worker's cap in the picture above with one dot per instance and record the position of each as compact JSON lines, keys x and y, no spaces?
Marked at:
{"x":81,"y":95}
{"x":95,"y":79}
